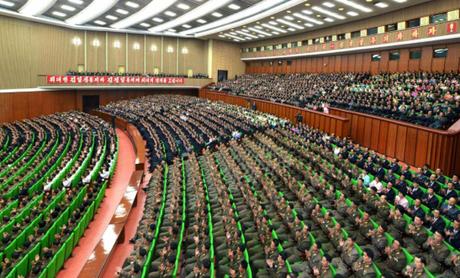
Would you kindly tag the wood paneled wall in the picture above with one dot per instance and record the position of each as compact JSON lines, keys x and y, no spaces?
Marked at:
{"x":225,"y":56}
{"x":19,"y":106}
{"x":30,"y":49}
{"x":412,"y":144}
{"x":361,"y":62}
{"x":326,"y":122}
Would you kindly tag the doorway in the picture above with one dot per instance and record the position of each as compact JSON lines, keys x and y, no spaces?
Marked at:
{"x":222,"y":75}
{"x":90,"y":103}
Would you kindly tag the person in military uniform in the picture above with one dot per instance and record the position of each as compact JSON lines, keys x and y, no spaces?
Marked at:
{"x":395,"y":261}
{"x":436,"y":253}
{"x":416,"y":269}
{"x":415,"y":236}
{"x":453,"y":264}
{"x":363,"y":267}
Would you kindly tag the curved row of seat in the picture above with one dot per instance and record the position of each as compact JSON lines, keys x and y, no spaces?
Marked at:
{"x":52,"y":183}
{"x":278,"y":200}
{"x":182,"y":124}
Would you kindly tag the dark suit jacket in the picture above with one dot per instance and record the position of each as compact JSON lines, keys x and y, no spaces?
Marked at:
{"x":438,"y":226}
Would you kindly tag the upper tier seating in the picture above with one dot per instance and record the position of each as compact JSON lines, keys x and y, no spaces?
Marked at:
{"x":428,"y":99}
{"x":285,"y":201}
{"x":102,"y":73}
{"x":53,"y":174}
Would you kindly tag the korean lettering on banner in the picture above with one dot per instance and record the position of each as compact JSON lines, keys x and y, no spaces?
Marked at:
{"x":59,"y":79}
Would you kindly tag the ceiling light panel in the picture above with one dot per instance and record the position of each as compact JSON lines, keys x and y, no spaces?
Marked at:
{"x":355,"y":5}
{"x":78,"y":2}
{"x":147,"y":12}
{"x":381,"y":5}
{"x":273,"y":28}
{"x":192,"y":15}
{"x":255,"y":12}
{"x":5,"y":3}
{"x":308,"y":18}
{"x":92,"y":11}
{"x":288,"y":23}
{"x":132,"y":4}
{"x":36,"y":7}
{"x":327,"y":12}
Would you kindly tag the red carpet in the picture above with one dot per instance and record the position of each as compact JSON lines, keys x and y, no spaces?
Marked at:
{"x":123,"y":250}
{"x":84,"y":251}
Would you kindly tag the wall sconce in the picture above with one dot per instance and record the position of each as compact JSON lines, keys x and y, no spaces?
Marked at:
{"x":96,"y":43}
{"x":76,"y":41}
{"x":136,"y":46}
{"x":153,"y":48}
{"x":117,"y":44}
{"x":170,"y":49}
{"x":184,"y":50}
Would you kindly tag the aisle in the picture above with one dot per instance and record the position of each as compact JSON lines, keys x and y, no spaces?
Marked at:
{"x":84,"y":251}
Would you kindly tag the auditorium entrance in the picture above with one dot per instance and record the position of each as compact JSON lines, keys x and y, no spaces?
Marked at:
{"x":222,"y":75}
{"x":90,"y":103}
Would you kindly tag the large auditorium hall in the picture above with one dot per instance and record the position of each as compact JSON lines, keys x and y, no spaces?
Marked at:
{"x":230,"y":138}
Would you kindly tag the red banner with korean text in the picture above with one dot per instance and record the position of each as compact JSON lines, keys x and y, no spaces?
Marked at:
{"x":112,"y":80}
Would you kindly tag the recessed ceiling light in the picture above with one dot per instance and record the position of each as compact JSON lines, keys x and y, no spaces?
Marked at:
{"x":121,"y":11}
{"x":234,"y":7}
{"x":186,"y":26}
{"x":68,"y":8}
{"x":275,"y":33}
{"x":341,"y":9}
{"x":288,"y":17}
{"x":144,"y":24}
{"x":183,"y":6}
{"x":329,"y":4}
{"x":170,"y":13}
{"x":221,"y":36}
{"x":6,"y":3}
{"x":327,"y":12}
{"x":202,"y":21}
{"x":100,"y":22}
{"x":132,"y":4}
{"x":381,"y":5}
{"x":272,"y":17}
{"x":111,"y":17}
{"x":307,"y":4}
{"x":328,"y":19}
{"x":355,"y":5}
{"x":216,"y":14}
{"x":78,"y":2}
{"x":157,"y":19}
{"x":352,"y":13}
{"x":400,"y":1}
{"x":60,"y":14}
{"x":172,"y":30}
{"x":233,"y":33}
{"x":299,"y":21}
{"x":307,"y":12}
{"x":261,"y":36}
{"x":308,"y":24}
{"x":288,"y":12}
{"x":291,"y":29}
{"x":273,"y":22}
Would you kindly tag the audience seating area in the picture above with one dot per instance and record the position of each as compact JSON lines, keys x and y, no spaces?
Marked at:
{"x":54,"y":172}
{"x":427,"y":99}
{"x":283,"y":201}
{"x":98,"y":73}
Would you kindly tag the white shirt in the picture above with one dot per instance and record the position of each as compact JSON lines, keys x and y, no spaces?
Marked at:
{"x":377,"y":185}
{"x":402,"y":202}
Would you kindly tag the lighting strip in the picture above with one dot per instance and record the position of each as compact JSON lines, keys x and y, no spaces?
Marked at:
{"x":196,"y":13}
{"x":308,"y":18}
{"x":92,"y":11}
{"x":257,"y":8}
{"x":236,"y":20}
{"x":273,"y":28}
{"x":36,"y":7}
{"x":260,"y":32}
{"x":355,"y":5}
{"x":288,"y":23}
{"x":150,"y":10}
{"x":235,"y":37}
{"x":326,"y":12}
{"x":247,"y":34}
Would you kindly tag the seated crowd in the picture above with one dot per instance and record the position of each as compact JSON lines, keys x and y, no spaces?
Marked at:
{"x":428,"y":99}
{"x":53,"y":171}
{"x":174,"y":124}
{"x":131,"y":74}
{"x":285,"y":201}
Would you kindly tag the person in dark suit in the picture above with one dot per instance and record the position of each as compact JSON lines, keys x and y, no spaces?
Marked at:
{"x":453,"y":234}
{"x":450,"y":192}
{"x":390,"y":194}
{"x":435,"y":222}
{"x":416,"y":210}
{"x":430,"y":199}
{"x":415,"y":192}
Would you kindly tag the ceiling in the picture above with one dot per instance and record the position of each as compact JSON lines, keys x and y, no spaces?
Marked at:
{"x":232,"y":20}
